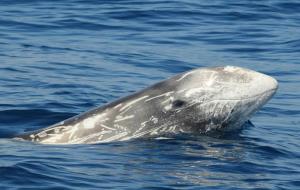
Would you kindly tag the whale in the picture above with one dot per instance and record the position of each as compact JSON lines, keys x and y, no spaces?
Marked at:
{"x":200,"y":101}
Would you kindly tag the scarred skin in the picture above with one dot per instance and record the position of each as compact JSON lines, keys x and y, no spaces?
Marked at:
{"x":199,"y":101}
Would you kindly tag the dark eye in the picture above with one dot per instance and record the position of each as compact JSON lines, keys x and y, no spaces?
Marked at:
{"x":178,"y":103}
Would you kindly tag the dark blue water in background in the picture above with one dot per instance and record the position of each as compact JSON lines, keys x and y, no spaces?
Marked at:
{"x":61,"y":58}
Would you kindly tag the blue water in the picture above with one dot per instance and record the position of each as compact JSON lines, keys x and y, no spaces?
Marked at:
{"x":61,"y":58}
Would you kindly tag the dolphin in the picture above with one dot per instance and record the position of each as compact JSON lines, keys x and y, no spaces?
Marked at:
{"x":199,"y":101}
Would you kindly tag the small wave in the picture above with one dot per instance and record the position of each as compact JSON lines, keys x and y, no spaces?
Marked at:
{"x":26,"y":120}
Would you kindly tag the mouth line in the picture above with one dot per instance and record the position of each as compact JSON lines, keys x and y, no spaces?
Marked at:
{"x":229,"y":99}
{"x":239,"y":99}
{"x":261,"y":94}
{"x":254,"y":96}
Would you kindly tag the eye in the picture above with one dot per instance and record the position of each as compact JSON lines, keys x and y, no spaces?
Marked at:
{"x":178,"y":103}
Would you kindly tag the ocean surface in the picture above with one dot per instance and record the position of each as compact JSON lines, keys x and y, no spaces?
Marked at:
{"x":59,"y":58}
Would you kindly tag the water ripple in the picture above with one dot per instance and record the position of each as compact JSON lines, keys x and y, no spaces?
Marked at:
{"x":60,"y":58}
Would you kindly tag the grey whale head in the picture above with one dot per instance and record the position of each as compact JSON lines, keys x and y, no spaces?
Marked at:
{"x":198,"y":101}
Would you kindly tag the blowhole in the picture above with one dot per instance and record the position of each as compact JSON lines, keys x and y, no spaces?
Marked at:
{"x":178,"y":103}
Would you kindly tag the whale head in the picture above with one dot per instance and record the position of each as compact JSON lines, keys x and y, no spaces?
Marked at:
{"x":203,"y":100}
{"x":219,"y":98}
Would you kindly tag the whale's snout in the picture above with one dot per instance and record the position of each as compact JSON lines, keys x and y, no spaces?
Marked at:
{"x":264,"y":83}
{"x":247,"y":83}
{"x":250,"y":90}
{"x":229,"y":95}
{"x":268,"y":86}
{"x":270,"y":82}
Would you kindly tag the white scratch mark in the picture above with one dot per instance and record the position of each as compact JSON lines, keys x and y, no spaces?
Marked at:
{"x":173,"y":128}
{"x":106,"y":127}
{"x":42,"y":134}
{"x":143,"y":124}
{"x":164,"y":94}
{"x":154,"y":119}
{"x":53,"y":138}
{"x":123,"y":112}
{"x":115,"y":137}
{"x":193,"y":91}
{"x":163,"y":138}
{"x":170,"y":99}
{"x":155,"y":131}
{"x":185,"y":75}
{"x":189,"y":105}
{"x":152,"y":131}
{"x":90,"y":122}
{"x":133,"y":102}
{"x":100,"y":137}
{"x":73,"y":130}
{"x":124,"y":118}
{"x":120,"y":127}
{"x":117,"y":106}
{"x":138,"y":135}
{"x":83,"y":139}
